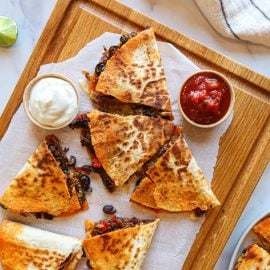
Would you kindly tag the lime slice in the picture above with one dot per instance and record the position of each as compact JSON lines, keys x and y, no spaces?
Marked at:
{"x":8,"y":31}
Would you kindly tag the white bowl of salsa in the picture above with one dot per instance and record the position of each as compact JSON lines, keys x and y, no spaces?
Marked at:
{"x":206,"y":99}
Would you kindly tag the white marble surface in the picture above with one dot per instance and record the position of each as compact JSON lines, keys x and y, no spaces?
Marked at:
{"x":181,"y":15}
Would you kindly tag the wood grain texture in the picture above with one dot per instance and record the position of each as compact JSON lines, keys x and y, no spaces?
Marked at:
{"x":244,"y":148}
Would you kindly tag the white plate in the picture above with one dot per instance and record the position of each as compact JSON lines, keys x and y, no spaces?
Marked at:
{"x":246,"y":240}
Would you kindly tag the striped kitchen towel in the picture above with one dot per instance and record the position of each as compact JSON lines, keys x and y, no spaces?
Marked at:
{"x":241,"y":19}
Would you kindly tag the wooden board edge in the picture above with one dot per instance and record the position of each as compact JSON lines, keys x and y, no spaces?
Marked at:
{"x":34,"y":59}
{"x":185,"y":42}
{"x":62,"y":5}
{"x":230,"y":210}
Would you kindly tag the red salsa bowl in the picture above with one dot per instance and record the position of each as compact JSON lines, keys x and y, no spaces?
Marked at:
{"x":206,"y":99}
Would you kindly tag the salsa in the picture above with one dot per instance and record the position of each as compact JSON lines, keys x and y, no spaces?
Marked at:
{"x":205,"y":98}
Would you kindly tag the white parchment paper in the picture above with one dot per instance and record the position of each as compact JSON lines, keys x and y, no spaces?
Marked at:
{"x":176,"y":232}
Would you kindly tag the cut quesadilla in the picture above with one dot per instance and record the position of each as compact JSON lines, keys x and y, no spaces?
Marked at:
{"x":254,"y":257}
{"x":24,"y":247}
{"x":176,"y":183}
{"x":130,"y":79}
{"x":48,"y":185}
{"x":123,"y":147}
{"x":118,"y":243}
{"x":262,"y":230}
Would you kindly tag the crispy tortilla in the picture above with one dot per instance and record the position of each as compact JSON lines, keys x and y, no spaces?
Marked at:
{"x":123,"y":144}
{"x":24,"y":247}
{"x":175,"y":183}
{"x":262,"y":230}
{"x":122,"y":249}
{"x":40,"y":187}
{"x":254,"y":257}
{"x":135,"y":74}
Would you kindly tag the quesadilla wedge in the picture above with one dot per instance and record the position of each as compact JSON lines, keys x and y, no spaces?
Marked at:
{"x":24,"y":247}
{"x":118,"y":243}
{"x":254,"y":257}
{"x":122,"y":147}
{"x":262,"y":230}
{"x":175,"y":183}
{"x":130,"y":79}
{"x":48,"y":185}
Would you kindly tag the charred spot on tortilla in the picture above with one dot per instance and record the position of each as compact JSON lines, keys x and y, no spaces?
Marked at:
{"x":25,"y":247}
{"x":48,"y":185}
{"x":122,"y":148}
{"x":175,"y":183}
{"x":130,"y":80}
{"x":121,"y":243}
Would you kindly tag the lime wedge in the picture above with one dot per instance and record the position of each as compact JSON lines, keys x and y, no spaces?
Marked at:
{"x":8,"y":31}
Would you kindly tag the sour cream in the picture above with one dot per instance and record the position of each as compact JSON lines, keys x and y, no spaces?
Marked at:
{"x":53,"y":102}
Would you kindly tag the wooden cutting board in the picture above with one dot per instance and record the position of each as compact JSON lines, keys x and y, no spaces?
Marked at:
{"x":244,"y":149}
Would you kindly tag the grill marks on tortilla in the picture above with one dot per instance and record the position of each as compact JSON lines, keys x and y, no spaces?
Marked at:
{"x":175,"y":183}
{"x":21,"y":247}
{"x":40,"y":187}
{"x":124,"y":144}
{"x":134,"y":74}
{"x":121,"y":249}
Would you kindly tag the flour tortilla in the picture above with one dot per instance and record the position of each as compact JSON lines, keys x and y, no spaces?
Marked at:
{"x":135,"y":74}
{"x":24,"y":247}
{"x":40,"y":187}
{"x":123,"y":144}
{"x":123,"y":249}
{"x":175,"y":183}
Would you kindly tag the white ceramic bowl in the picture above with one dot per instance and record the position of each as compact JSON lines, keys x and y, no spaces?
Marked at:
{"x":229,"y":111}
{"x":246,"y":240}
{"x":27,"y":93}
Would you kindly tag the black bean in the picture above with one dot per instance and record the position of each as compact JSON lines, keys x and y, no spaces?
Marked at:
{"x":112,"y":50}
{"x":109,"y":209}
{"x":199,"y":212}
{"x":85,"y":181}
{"x":72,"y":161}
{"x":99,"y":68}
{"x":47,"y":216}
{"x":124,"y":39}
